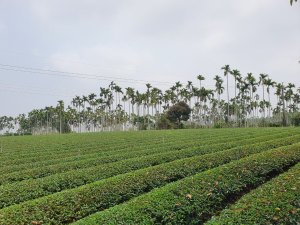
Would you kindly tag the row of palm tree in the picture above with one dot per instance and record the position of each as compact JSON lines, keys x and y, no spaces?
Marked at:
{"x":292,"y":1}
{"x":117,"y":108}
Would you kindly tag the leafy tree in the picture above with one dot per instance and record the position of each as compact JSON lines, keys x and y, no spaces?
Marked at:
{"x":292,"y":1}
{"x":179,"y":112}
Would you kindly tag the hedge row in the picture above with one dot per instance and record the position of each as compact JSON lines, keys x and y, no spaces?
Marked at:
{"x":195,"y":199}
{"x":65,"y":151}
{"x":66,"y":143}
{"x":31,"y":145}
{"x":67,"y":148}
{"x":74,"y":204}
{"x":276,"y":202}
{"x":78,"y":155}
{"x":34,"y":188}
{"x":75,"y":156}
{"x":43,"y":171}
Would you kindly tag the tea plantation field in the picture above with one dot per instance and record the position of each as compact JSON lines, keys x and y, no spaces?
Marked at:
{"x":207,"y":176}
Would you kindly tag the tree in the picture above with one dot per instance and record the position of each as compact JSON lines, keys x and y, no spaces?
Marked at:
{"x":219,"y":89}
{"x":227,"y":71}
{"x":292,"y":1}
{"x":252,"y":87}
{"x":148,"y":102}
{"x":262,"y":81}
{"x":237,"y":76}
{"x":200,"y":78}
{"x":60,"y":108}
{"x":179,"y":112}
{"x":108,"y":113}
{"x":269,"y":83}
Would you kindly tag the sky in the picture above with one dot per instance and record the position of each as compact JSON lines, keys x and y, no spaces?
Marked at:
{"x":136,"y":41}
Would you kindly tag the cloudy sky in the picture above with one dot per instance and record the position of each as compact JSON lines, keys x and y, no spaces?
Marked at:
{"x":137,"y":41}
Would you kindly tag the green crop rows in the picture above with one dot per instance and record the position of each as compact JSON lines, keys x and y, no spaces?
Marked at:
{"x":213,"y":176}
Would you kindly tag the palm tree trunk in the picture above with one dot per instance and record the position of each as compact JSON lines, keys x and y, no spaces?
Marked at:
{"x":227,"y":99}
{"x":264,"y":102}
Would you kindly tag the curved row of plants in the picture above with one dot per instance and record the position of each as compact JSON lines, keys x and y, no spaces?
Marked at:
{"x":45,"y":155}
{"x":56,"y":143}
{"x":195,"y":199}
{"x":74,"y":204}
{"x":64,"y":150}
{"x":33,"y":188}
{"x":67,"y":142}
{"x":64,"y":165}
{"x":276,"y":202}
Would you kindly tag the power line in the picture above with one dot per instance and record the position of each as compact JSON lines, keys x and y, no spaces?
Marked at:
{"x":8,"y":67}
{"x":12,"y":89}
{"x":49,"y":72}
{"x":75,"y":75}
{"x":35,"y":88}
{"x":58,"y":59}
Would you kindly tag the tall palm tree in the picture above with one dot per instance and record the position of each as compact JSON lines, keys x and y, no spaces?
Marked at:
{"x":237,"y":76}
{"x":219,"y":89}
{"x":60,"y":107}
{"x":77,"y":102}
{"x":262,"y":81}
{"x":289,"y":94}
{"x":200,"y":78}
{"x":296,"y":101}
{"x":148,"y":102}
{"x":189,"y":87}
{"x":252,"y":87}
{"x":130,"y":93}
{"x":243,"y":86}
{"x":178,"y":86}
{"x":292,"y":1}
{"x":227,"y":71}
{"x":269,"y":83}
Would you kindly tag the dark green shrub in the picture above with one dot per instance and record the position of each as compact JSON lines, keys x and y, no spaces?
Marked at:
{"x":295,"y":120}
{"x":177,"y":113}
{"x":164,"y":123}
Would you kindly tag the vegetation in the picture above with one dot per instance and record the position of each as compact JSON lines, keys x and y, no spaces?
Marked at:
{"x":116,"y":108}
{"x":182,"y":202}
{"x":178,"y":112}
{"x":276,"y":202}
{"x":167,"y":176}
{"x":119,"y":177}
{"x":292,"y":1}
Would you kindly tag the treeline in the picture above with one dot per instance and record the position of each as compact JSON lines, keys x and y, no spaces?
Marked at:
{"x":117,"y":108}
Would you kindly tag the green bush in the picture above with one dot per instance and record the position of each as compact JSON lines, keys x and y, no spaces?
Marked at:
{"x":195,"y":199}
{"x":276,"y":202}
{"x":74,"y":204}
{"x":164,"y":123}
{"x":33,"y":188}
{"x":295,"y":120}
{"x":102,"y":157}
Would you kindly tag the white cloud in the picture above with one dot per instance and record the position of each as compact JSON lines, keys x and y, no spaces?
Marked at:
{"x":250,"y":8}
{"x":2,"y":26}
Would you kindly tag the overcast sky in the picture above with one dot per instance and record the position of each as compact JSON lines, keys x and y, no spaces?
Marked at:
{"x":157,"y":40}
